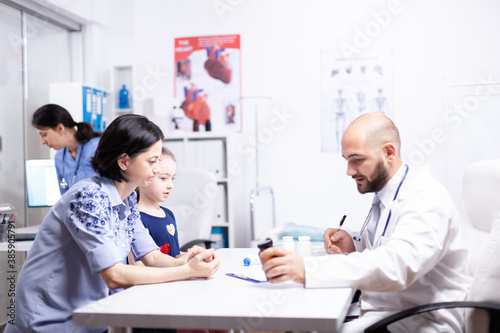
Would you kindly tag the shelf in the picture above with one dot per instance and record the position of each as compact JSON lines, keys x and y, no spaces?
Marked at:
{"x":123,"y":111}
{"x":221,"y":224}
{"x":207,"y":150}
{"x":122,"y":75}
{"x":180,"y":135}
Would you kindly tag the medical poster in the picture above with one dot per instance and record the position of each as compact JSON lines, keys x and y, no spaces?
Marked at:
{"x":351,"y":87}
{"x":208,"y":83}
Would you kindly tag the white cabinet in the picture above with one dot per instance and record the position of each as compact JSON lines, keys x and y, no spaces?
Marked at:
{"x":209,"y":151}
{"x":83,"y":102}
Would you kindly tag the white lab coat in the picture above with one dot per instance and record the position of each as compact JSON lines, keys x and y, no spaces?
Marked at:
{"x":419,"y":260}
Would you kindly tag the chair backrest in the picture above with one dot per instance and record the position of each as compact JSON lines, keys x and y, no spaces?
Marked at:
{"x":193,"y":201}
{"x":480,"y":203}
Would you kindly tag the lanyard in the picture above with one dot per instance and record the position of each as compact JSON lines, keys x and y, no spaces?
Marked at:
{"x":358,"y":239}
{"x":64,"y":184}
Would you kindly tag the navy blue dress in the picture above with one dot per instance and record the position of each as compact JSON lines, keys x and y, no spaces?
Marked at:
{"x":163,"y":230}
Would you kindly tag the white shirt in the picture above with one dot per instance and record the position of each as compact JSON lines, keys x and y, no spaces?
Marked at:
{"x":419,"y":260}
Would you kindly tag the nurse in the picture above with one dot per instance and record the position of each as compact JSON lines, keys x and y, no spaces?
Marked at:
{"x":409,"y":251}
{"x":79,"y":253}
{"x":75,"y":143}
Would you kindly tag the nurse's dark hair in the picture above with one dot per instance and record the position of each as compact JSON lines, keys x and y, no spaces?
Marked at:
{"x":129,"y":134}
{"x":51,"y":115}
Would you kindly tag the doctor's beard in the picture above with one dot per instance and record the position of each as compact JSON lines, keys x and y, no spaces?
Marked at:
{"x":379,"y":179}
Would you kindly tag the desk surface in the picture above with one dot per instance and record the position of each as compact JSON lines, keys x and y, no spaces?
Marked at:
{"x":221,"y":302}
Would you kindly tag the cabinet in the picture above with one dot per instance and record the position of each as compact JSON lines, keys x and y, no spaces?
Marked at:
{"x":83,"y":102}
{"x":208,"y":151}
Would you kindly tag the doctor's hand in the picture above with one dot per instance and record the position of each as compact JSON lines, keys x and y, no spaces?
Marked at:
{"x":338,"y":241}
{"x":281,"y":265}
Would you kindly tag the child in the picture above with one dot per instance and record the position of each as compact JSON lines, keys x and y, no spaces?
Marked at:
{"x":160,"y":221}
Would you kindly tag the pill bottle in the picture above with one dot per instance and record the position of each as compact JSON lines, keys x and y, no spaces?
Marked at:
{"x":304,"y":247}
{"x":287,"y":243}
{"x":262,"y":246}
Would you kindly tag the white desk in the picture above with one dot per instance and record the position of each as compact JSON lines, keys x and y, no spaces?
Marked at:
{"x":221,"y":302}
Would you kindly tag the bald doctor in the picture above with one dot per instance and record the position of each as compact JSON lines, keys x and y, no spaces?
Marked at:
{"x":409,"y":250}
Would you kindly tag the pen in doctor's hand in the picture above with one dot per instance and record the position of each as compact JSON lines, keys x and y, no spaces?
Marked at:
{"x":341,"y":222}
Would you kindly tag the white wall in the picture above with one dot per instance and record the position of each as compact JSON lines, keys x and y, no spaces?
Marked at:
{"x":433,"y":42}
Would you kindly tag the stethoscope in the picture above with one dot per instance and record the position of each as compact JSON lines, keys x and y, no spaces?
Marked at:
{"x":64,"y":184}
{"x":358,"y":238}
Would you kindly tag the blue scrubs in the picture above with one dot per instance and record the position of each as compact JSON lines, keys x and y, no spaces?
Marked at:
{"x":88,"y":230}
{"x":66,"y":165}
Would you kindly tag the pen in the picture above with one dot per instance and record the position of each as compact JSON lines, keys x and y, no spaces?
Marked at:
{"x":244,"y":277}
{"x":341,"y":222}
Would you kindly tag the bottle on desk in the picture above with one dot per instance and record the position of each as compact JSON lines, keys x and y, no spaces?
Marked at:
{"x":304,"y":247}
{"x":267,"y":243}
{"x":287,"y":243}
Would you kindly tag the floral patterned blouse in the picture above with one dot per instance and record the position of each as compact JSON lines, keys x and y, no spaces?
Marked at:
{"x":88,"y":230}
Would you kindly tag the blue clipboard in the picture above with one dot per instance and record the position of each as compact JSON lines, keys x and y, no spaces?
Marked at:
{"x":245,"y":277}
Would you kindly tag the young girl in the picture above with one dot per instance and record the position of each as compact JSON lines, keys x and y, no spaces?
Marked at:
{"x":79,"y":253}
{"x":160,"y":221}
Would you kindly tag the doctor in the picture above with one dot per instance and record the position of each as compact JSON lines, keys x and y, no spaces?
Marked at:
{"x":409,"y":250}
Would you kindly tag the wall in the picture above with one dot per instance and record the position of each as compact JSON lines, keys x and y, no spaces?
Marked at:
{"x":433,"y":43}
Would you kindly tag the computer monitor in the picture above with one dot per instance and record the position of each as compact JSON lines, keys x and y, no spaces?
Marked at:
{"x":41,"y":182}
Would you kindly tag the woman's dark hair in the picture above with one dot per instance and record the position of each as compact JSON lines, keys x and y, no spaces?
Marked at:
{"x":51,"y":115}
{"x":131,"y":134}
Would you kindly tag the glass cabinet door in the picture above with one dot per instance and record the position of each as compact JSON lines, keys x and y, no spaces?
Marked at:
{"x":11,"y":111}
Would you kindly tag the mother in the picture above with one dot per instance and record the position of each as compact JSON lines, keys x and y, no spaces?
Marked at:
{"x":78,"y":255}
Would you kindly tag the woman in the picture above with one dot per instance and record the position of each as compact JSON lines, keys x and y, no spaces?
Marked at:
{"x":78,"y":254}
{"x":75,"y":146}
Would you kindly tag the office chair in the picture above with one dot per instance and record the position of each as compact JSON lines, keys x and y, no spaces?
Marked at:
{"x":193,"y":201}
{"x":480,"y":212}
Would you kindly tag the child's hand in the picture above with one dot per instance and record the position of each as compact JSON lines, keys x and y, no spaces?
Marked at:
{"x":192,"y":252}
{"x":204,"y":264}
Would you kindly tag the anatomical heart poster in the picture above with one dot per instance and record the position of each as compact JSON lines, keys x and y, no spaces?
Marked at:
{"x":208,"y":83}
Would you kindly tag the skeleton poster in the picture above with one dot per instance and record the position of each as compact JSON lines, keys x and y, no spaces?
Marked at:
{"x":351,"y":87}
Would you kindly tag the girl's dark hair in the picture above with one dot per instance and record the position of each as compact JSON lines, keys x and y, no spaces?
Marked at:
{"x":51,"y":115}
{"x":131,"y":134}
